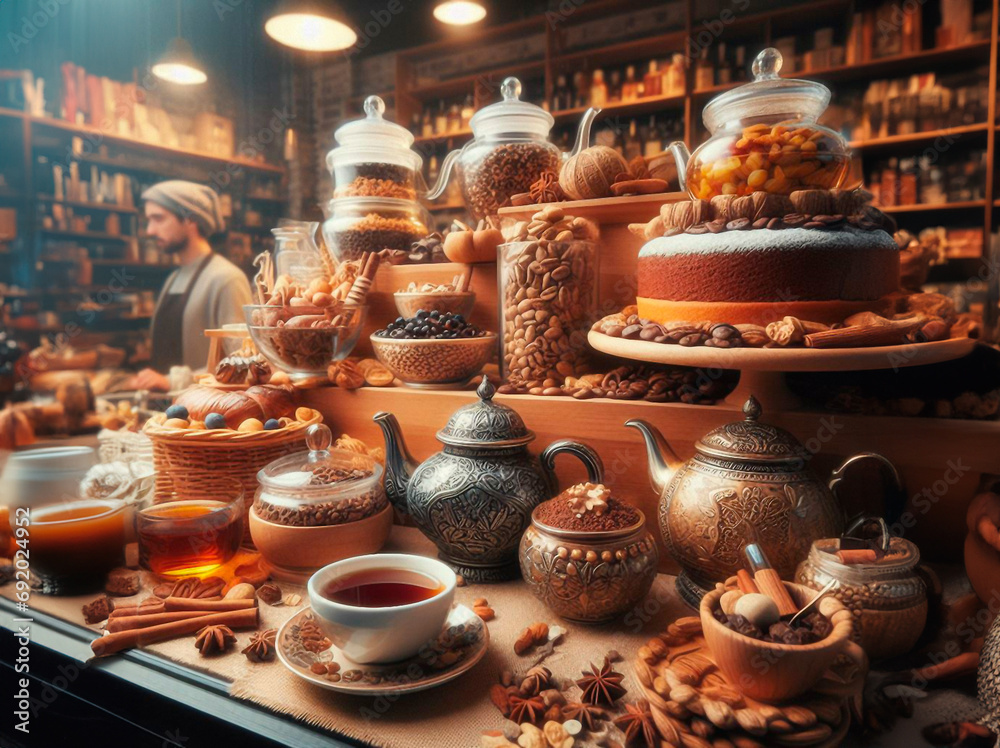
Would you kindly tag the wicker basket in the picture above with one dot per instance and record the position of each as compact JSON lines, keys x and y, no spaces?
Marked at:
{"x":190,"y":462}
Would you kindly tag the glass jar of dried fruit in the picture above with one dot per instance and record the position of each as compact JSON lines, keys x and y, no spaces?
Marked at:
{"x":765,"y":137}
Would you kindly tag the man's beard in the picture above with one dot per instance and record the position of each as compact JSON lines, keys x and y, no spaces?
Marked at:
{"x":174,"y":247}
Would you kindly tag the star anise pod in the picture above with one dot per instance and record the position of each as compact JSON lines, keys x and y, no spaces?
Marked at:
{"x":637,"y":724}
{"x":526,"y":709}
{"x":601,"y":686}
{"x":535,"y":680}
{"x":261,"y":646}
{"x":587,"y":715}
{"x":214,"y":639}
{"x":546,"y":189}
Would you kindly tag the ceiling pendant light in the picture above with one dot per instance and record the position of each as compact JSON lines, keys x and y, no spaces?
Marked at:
{"x":460,"y":12}
{"x":310,"y":26}
{"x":178,"y":64}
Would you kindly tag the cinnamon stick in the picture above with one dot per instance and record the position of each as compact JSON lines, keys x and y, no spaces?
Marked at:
{"x":116,"y":642}
{"x":857,"y":556}
{"x":771,"y":585}
{"x":860,"y":336}
{"x":209,"y":606}
{"x":745,"y":582}
{"x":142,"y":609}
{"x":363,"y":283}
{"x":127,"y":623}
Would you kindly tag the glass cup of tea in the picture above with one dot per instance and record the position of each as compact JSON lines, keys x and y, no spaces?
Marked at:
{"x":74,"y":543}
{"x":186,"y":536}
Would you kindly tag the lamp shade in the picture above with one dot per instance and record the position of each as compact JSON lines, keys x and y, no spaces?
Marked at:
{"x":460,"y":12}
{"x":178,"y":64}
{"x":310,"y":26}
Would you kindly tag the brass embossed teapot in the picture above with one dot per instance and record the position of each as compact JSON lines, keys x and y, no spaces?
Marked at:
{"x":474,"y":498}
{"x":748,"y":482}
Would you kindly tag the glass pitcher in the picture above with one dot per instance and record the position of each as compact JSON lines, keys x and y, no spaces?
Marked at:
{"x":509,"y":151}
{"x":764,"y":136}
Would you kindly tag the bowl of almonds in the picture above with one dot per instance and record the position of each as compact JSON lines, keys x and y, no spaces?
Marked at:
{"x":451,"y":297}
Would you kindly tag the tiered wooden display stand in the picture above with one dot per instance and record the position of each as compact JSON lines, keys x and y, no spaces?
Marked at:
{"x":927,"y":451}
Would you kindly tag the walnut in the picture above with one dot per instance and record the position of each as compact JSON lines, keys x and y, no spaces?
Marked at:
{"x":792,"y":330}
{"x":270,"y":593}
{"x":346,"y":374}
{"x":588,"y":497}
{"x":754,"y":336}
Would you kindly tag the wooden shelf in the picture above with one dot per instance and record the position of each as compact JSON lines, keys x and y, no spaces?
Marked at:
{"x":919,"y":137}
{"x":87,"y":235}
{"x":634,"y":49}
{"x":128,"y":141}
{"x":625,"y":108}
{"x":463,"y":134}
{"x":466,"y":84}
{"x":921,"y":207}
{"x":87,"y":205}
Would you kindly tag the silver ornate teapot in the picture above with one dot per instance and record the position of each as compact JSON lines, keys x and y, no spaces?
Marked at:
{"x":474,"y":498}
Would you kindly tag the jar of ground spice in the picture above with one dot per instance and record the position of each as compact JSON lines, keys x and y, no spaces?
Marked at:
{"x":881,"y":586}
{"x":355,"y":225}
{"x":588,"y":555}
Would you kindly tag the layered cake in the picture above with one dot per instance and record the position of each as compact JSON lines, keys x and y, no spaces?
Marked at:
{"x":815,"y":255}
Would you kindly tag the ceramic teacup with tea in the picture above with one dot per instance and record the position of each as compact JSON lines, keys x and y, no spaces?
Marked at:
{"x":382,"y":607}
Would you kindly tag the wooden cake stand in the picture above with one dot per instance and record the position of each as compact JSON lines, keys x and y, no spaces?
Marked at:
{"x":762,"y":370}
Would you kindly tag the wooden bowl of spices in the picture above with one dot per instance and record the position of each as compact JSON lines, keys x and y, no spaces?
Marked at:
{"x":588,"y":555}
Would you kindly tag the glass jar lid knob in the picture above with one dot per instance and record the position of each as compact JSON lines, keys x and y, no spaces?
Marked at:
{"x":767,"y":65}
{"x":510,"y":89}
{"x":319,"y":437}
{"x":375,"y":107}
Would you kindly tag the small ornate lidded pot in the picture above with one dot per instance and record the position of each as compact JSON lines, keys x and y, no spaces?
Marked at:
{"x":588,"y":556}
{"x":888,"y":598}
{"x":474,"y":498}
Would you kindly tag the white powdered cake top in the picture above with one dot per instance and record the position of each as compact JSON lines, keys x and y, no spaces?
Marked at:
{"x":768,"y":240}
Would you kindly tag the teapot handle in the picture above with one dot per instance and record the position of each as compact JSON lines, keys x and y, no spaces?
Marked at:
{"x":586,"y":455}
{"x":895,"y":501}
{"x":444,"y":175}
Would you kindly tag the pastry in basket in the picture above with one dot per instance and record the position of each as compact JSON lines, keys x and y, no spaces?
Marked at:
{"x":213,"y":408}
{"x":246,"y":366}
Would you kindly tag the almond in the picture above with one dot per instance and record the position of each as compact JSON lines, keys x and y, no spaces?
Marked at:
{"x":485,"y":612}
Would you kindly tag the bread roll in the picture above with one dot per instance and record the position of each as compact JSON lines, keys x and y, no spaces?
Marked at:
{"x":275,"y":401}
{"x":235,"y":407}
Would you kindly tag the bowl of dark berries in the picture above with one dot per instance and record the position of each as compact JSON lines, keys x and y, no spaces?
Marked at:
{"x":766,"y":658}
{"x":434,"y":349}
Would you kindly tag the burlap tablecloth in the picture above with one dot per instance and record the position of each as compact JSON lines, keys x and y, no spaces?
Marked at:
{"x":449,"y":716}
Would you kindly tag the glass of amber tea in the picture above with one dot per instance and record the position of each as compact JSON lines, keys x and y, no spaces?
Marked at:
{"x":191,"y":536}
{"x":75,"y":543}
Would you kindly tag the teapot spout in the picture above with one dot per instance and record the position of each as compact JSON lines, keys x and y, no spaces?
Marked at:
{"x":583,"y":131}
{"x":444,"y":176}
{"x":681,"y":156}
{"x":663,"y":461}
{"x":399,"y":464}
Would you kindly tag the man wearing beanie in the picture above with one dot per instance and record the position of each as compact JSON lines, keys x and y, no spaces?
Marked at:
{"x":207,"y":291}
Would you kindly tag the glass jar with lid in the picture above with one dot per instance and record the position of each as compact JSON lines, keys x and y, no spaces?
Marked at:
{"x":355,"y":225}
{"x":316,"y":507}
{"x":509,"y":151}
{"x":374,"y":158}
{"x":764,"y":136}
{"x":888,"y":598}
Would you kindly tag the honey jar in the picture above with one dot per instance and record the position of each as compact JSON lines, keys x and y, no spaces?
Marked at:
{"x":888,"y":598}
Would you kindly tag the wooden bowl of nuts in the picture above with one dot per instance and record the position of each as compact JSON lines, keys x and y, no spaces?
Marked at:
{"x":433,"y":348}
{"x":408,"y":303}
{"x":771,"y":670}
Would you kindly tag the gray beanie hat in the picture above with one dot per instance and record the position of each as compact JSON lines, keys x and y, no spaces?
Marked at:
{"x":189,"y":200}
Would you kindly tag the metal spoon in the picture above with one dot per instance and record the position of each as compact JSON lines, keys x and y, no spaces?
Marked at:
{"x":812,"y":603}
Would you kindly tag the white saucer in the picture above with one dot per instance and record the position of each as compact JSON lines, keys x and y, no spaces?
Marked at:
{"x":465,"y":629}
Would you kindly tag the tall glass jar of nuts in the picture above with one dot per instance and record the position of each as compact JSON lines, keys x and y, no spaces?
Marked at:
{"x":548,"y":285}
{"x":765,"y":138}
{"x":888,"y":597}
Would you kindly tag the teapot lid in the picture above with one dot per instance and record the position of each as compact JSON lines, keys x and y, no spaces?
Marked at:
{"x":485,"y":423}
{"x":511,"y":115}
{"x":768,"y":96}
{"x":751,"y":440}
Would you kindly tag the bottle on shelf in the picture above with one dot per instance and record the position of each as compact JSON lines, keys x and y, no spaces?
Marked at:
{"x":441,"y":120}
{"x":468,"y":109}
{"x":630,"y":88}
{"x":598,"y":89}
{"x":651,"y":83}
{"x":653,"y":143}
{"x":675,"y":76}
{"x":723,"y":73}
{"x":632,"y":147}
{"x":454,"y":118}
{"x":581,"y":89}
{"x":615,"y":87}
{"x":562,"y":97}
{"x":427,"y":124}
{"x":704,"y":74}
{"x":740,"y":72}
